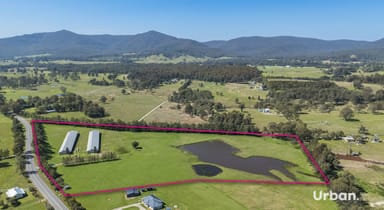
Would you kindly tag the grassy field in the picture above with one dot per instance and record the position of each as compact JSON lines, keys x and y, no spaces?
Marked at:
{"x":168,"y":113}
{"x":160,"y":148}
{"x":291,"y":72}
{"x":9,"y":177}
{"x":333,"y":122}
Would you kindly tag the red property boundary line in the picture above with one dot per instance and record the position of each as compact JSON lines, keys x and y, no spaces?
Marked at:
{"x":154,"y":128}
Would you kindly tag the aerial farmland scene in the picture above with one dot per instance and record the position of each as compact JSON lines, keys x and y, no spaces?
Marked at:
{"x":191,"y":105}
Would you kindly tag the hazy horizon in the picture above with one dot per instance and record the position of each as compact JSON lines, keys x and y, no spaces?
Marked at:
{"x":198,"y":20}
{"x":37,"y":32}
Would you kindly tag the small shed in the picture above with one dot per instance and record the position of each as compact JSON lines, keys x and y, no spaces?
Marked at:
{"x":132,"y":193}
{"x":15,"y":193}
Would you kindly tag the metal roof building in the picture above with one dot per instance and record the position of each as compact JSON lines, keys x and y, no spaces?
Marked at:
{"x":133,"y":193}
{"x":153,"y":202}
{"x":69,"y":142}
{"x":16,"y":193}
{"x":93,"y":141}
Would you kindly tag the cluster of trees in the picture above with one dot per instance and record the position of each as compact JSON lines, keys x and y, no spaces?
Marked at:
{"x":373,"y":78}
{"x":75,"y":160}
{"x":147,"y":78}
{"x":46,"y":152}
{"x":297,"y":127}
{"x":326,"y":160}
{"x":68,"y":102}
{"x":93,"y":110}
{"x":197,"y":102}
{"x":290,"y":97}
{"x":232,"y":121}
{"x":318,"y":92}
{"x":54,"y":75}
{"x":18,"y":147}
{"x":74,"y":204}
{"x":22,"y":81}
{"x":104,"y":82}
{"x":188,"y":95}
{"x":301,"y":129}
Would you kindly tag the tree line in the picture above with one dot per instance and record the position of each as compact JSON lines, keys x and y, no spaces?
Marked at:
{"x":320,"y":92}
{"x":18,"y":146}
{"x":146,"y":76}
{"x":76,"y":160}
{"x":46,"y":152}
{"x":66,"y":102}
{"x":196,"y":102}
{"x":22,"y":81}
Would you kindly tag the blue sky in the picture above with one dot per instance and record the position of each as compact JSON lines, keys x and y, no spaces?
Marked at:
{"x":201,"y":20}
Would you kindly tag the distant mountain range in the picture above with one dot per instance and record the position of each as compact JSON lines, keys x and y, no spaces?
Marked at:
{"x":68,"y":44}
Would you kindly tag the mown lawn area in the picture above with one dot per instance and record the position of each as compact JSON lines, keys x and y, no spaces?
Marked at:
{"x":160,"y":160}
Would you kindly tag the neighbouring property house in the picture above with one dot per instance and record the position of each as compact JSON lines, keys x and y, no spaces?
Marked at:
{"x":93,"y":141}
{"x":348,"y":138}
{"x":69,"y":142}
{"x":153,"y":202}
{"x":132,"y":193}
{"x":265,"y":110}
{"x":16,"y":193}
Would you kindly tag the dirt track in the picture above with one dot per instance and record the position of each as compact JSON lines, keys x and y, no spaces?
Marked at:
{"x":355,"y":158}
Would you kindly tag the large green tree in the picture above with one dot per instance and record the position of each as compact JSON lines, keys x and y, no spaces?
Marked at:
{"x":347,"y":113}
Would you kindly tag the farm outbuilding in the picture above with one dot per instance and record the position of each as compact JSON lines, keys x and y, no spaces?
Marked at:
{"x":133,"y":193}
{"x":69,"y":142}
{"x":16,"y":193}
{"x":153,"y":202}
{"x":93,"y":141}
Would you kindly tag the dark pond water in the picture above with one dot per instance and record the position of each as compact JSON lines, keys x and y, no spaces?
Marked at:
{"x":219,"y":153}
{"x":206,"y":170}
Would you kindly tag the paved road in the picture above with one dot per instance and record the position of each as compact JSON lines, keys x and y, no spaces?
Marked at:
{"x":41,"y":186}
